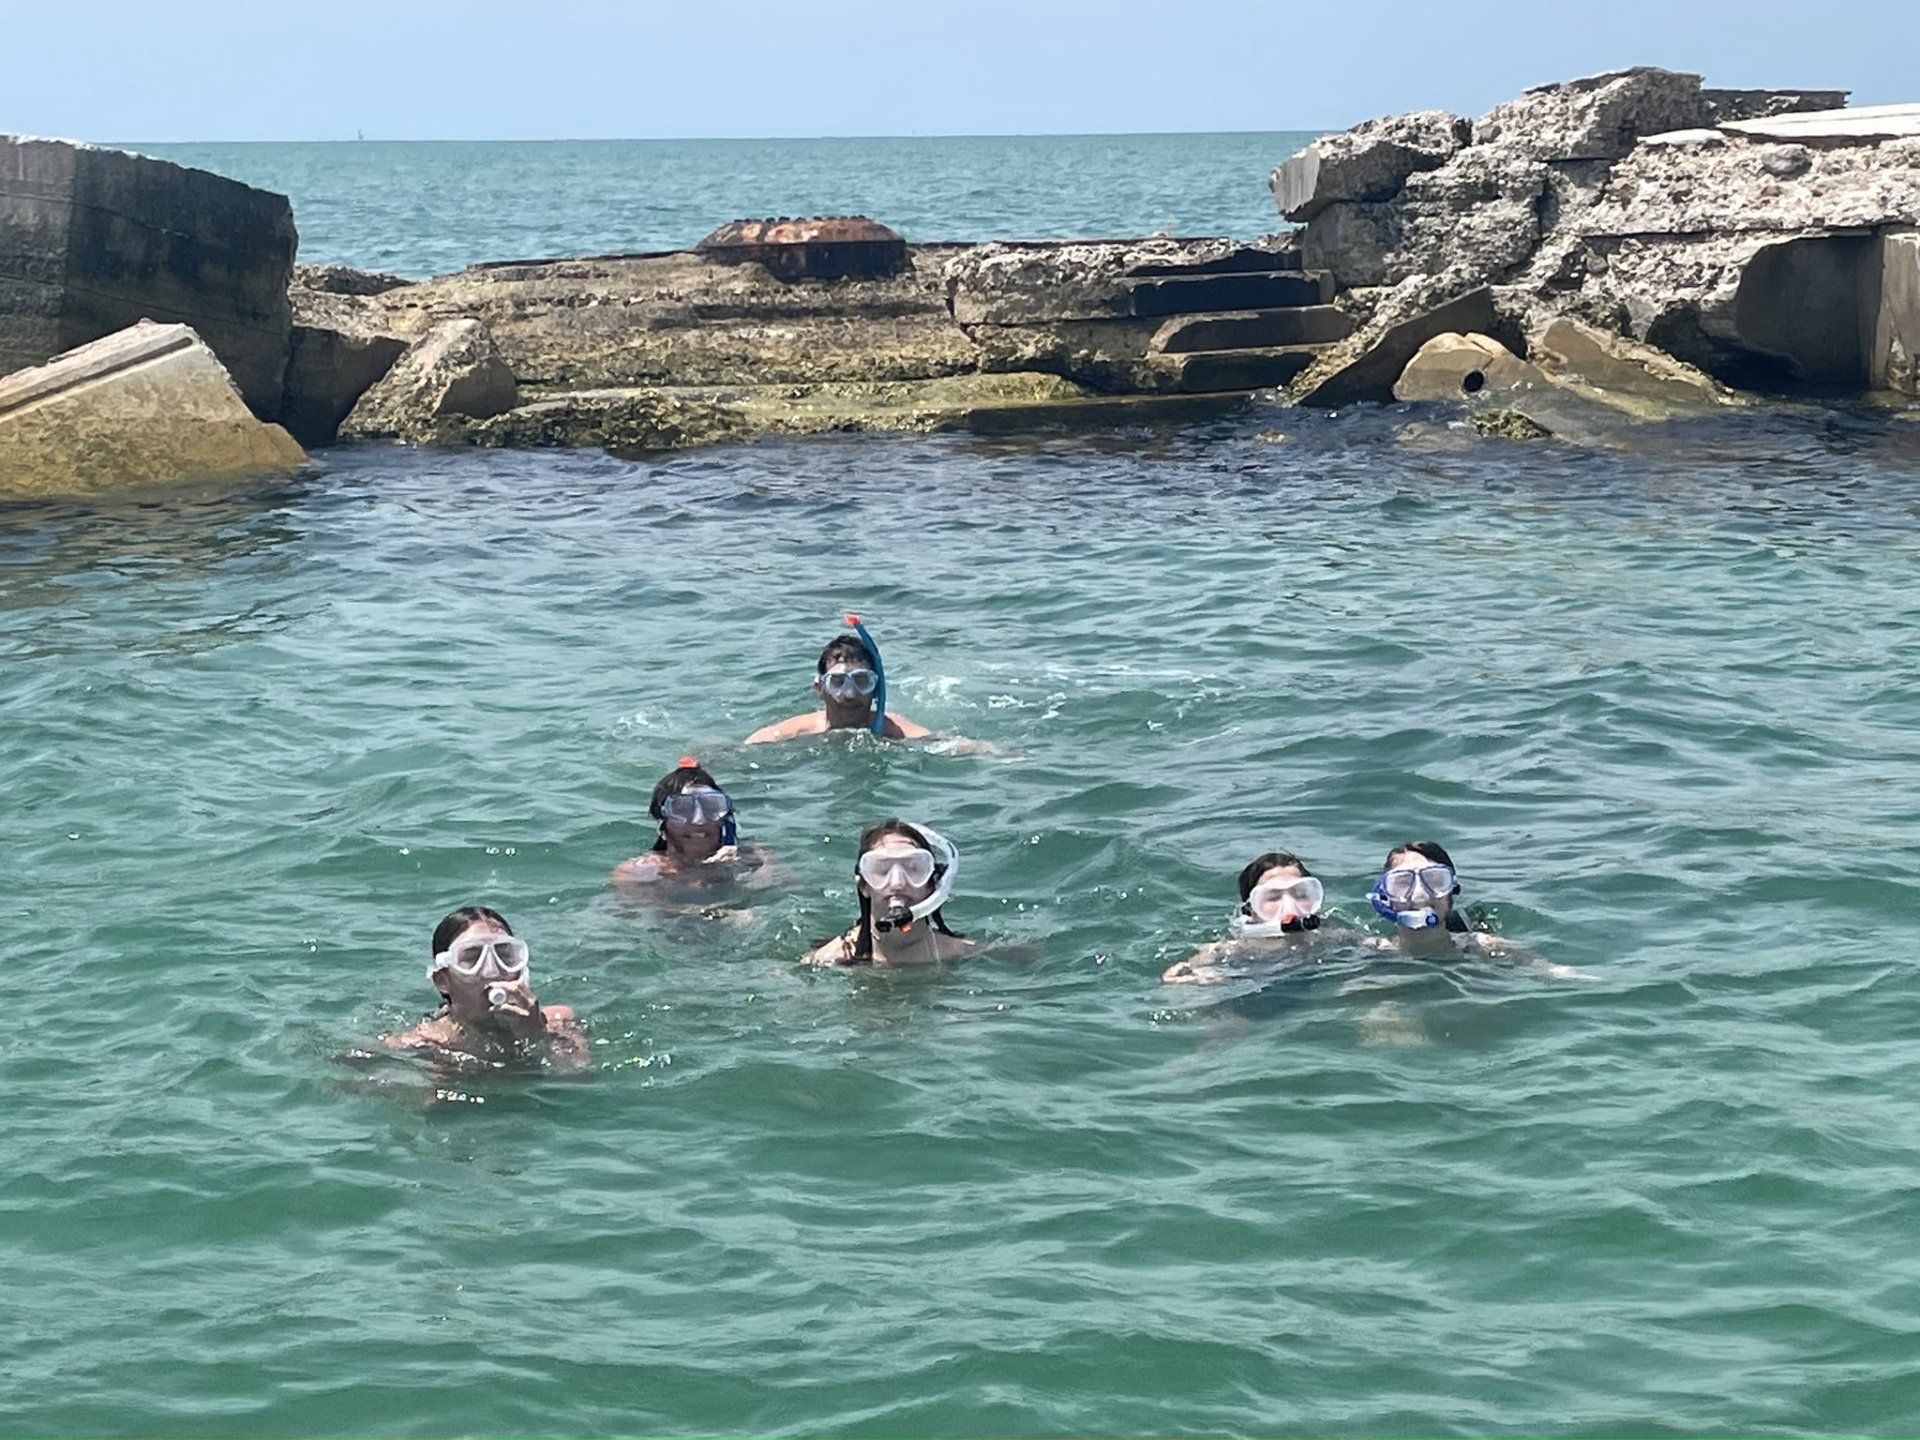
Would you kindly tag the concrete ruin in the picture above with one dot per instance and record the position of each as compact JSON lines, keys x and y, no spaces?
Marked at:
{"x":1762,"y":236}
{"x":146,"y":406}
{"x":93,"y":240}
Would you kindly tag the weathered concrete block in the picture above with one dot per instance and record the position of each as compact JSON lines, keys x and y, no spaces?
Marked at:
{"x":1452,"y":366}
{"x":328,"y":370}
{"x":1368,"y":162}
{"x":1626,"y":372}
{"x":1598,"y":117}
{"x":1365,"y":365}
{"x":1725,"y":105}
{"x":93,"y":240}
{"x":1895,"y":356}
{"x":148,"y":405}
{"x":1252,"y":329}
{"x":452,"y":371}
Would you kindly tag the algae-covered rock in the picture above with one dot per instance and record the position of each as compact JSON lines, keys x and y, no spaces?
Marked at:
{"x":148,"y":405}
{"x":452,"y":372}
{"x":1508,"y":425}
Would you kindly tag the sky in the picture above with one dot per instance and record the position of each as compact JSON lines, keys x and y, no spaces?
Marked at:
{"x":115,"y":70}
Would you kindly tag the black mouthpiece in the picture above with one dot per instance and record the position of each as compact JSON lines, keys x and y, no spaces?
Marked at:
{"x":899,"y":916}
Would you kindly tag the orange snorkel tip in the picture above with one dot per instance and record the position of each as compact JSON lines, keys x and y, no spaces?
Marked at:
{"x":687,"y":762}
{"x":851,"y":618}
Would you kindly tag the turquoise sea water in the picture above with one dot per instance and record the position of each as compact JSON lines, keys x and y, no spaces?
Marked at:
{"x":1660,"y":704}
{"x":427,"y":208}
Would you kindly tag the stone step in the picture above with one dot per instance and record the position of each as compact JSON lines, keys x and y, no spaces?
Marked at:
{"x":1251,"y":329}
{"x":1234,"y":262}
{"x":1256,"y":290}
{"x":1200,"y":372}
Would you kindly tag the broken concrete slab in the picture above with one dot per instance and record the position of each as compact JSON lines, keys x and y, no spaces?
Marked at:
{"x":1192,"y":294}
{"x":328,"y":370}
{"x":1465,"y":367}
{"x":453,"y":372}
{"x":148,"y":405}
{"x":92,"y":240}
{"x":1861,"y":123}
{"x":1597,"y":117}
{"x":1252,"y":329}
{"x":1624,"y":372}
{"x":1365,"y":365}
{"x":1368,"y":162}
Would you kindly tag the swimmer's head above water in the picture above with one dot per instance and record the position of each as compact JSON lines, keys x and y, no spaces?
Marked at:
{"x":849,"y":681}
{"x":1417,"y":888}
{"x":695,"y":814}
{"x":1278,"y":896}
{"x":475,"y":957}
{"x":904,"y":875}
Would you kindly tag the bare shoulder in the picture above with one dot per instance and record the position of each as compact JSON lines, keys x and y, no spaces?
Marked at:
{"x":814,"y":722}
{"x":952,"y":947}
{"x":637,"y":870}
{"x":427,"y":1035}
{"x":898,"y":727}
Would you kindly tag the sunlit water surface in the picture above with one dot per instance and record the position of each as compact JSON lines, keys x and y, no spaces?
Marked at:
{"x":1660,"y":703}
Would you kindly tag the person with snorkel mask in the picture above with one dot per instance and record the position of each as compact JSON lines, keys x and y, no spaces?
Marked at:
{"x":904,"y":876}
{"x":1280,"y":910}
{"x":852,"y":686}
{"x":697,"y":840}
{"x":488,"y":1011}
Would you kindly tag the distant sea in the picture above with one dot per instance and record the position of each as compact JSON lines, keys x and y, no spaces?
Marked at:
{"x":421,"y":208}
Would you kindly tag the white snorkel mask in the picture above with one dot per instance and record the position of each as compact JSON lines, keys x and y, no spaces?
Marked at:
{"x":1286,"y":907}
{"x":899,"y":915}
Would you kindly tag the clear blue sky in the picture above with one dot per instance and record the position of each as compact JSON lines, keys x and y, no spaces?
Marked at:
{"x":551,"y":69}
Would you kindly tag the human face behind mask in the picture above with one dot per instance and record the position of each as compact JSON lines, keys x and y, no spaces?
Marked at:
{"x":1413,"y":883}
{"x":482,"y":958}
{"x":897,"y":868}
{"x":1283,"y":898}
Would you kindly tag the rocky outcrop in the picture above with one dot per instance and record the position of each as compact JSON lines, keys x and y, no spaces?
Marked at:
{"x":93,"y":240}
{"x":451,"y":373}
{"x":1582,"y":385}
{"x":1741,"y":231}
{"x":148,"y":405}
{"x":686,"y":319}
{"x":1369,"y":162}
{"x":342,"y":345}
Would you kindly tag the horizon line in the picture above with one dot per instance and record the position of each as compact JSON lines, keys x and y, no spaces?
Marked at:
{"x":649,"y":139}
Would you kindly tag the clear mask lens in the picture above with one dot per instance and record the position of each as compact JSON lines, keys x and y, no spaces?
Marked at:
{"x":1287,"y":899}
{"x":896,"y":870}
{"x":1425,"y":883}
{"x":844,"y":684}
{"x":508,"y":956}
{"x":692,"y":807}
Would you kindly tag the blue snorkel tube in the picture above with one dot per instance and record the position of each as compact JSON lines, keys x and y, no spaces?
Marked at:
{"x":1407,"y":919}
{"x":879,"y":675}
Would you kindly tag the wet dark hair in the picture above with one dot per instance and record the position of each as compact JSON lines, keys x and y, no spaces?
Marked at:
{"x":458,"y":920}
{"x":848,"y":648}
{"x":863,"y":941}
{"x":1250,"y":877}
{"x":689,"y":774}
{"x":1436,"y":852}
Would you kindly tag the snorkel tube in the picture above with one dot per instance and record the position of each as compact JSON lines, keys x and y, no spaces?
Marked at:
{"x":903,"y":917}
{"x":879,"y":674}
{"x":1420,"y":919}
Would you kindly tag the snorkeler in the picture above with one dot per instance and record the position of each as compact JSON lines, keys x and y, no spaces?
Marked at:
{"x":1280,"y":905}
{"x":487,"y":1009}
{"x":698,"y":836}
{"x":1417,"y":890}
{"x":904,"y":876}
{"x":852,"y":686}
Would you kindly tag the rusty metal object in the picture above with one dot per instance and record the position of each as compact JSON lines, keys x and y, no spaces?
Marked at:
{"x":826,"y":247}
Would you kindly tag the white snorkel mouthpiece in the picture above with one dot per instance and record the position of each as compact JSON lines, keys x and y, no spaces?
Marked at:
{"x":903,"y":917}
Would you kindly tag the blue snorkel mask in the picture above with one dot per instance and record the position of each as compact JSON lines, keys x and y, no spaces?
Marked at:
{"x":1397,"y":895}
{"x":879,"y":675}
